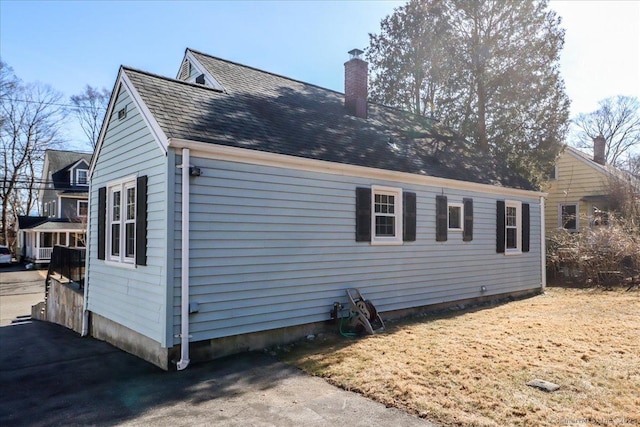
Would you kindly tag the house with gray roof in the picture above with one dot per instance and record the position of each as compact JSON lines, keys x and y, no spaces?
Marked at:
{"x":231,"y":208}
{"x":63,"y":198}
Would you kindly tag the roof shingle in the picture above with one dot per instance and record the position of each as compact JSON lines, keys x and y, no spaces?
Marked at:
{"x":266,"y":112}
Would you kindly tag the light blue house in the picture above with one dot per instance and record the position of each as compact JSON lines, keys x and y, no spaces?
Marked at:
{"x":231,"y":207}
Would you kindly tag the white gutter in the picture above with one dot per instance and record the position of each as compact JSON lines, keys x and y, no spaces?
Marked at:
{"x":184,"y":318}
{"x":543,"y":245}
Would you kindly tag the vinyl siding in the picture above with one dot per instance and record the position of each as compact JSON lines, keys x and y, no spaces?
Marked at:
{"x":135,"y":298}
{"x":69,"y":206}
{"x":273,"y":247}
{"x":575,"y":180}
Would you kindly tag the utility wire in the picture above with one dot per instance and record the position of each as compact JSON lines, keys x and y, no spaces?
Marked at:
{"x":28,"y":101}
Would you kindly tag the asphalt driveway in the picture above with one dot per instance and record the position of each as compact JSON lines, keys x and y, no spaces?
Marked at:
{"x":50,"y":376}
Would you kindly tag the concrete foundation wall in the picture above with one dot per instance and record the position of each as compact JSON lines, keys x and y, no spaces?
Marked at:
{"x":129,"y":340}
{"x":212,"y":349}
{"x":215,"y":348}
{"x":64,"y":305}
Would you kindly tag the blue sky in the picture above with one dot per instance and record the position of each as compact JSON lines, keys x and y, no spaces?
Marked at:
{"x":69,"y":44}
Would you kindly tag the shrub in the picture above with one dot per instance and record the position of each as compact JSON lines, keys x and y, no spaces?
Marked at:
{"x":603,"y":254}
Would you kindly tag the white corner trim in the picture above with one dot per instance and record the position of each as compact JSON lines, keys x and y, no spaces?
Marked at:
{"x":243,"y":155}
{"x":543,"y":246}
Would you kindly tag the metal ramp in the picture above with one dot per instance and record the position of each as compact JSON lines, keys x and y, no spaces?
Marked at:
{"x":364,"y":312}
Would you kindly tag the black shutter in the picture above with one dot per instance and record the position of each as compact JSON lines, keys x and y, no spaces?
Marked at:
{"x":141,"y":220}
{"x":102,"y":220}
{"x":409,"y":217}
{"x":363,"y":214}
{"x":442,"y":218}
{"x":500,"y":224}
{"x":467,"y":233}
{"x":526,"y":234}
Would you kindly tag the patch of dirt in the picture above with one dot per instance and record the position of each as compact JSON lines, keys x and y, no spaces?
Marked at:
{"x":471,"y":368}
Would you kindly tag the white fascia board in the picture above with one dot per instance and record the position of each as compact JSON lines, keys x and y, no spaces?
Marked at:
{"x":208,"y":77}
{"x":105,"y":122}
{"x":77,"y":163}
{"x":587,"y":162}
{"x":158,"y":134}
{"x":152,"y":124}
{"x":242,"y":155}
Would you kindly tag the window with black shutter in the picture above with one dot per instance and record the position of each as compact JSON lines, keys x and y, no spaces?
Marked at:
{"x":467,"y":231}
{"x":385,"y":215}
{"x":141,"y":220}
{"x":102,"y":213}
{"x":526,"y":227}
{"x":442,"y":218}
{"x":500,"y":238}
{"x":512,"y":227}
{"x":122,"y":221}
{"x":409,"y":219}
{"x":363,"y":214}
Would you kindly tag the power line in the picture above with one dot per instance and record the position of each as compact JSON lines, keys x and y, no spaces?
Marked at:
{"x":48,"y":103}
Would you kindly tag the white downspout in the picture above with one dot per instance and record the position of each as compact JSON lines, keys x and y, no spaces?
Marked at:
{"x":85,"y":312}
{"x":543,"y":245}
{"x":184,"y":318}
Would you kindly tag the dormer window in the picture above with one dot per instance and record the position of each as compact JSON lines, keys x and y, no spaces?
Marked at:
{"x":192,"y":72}
{"x":81,"y":177}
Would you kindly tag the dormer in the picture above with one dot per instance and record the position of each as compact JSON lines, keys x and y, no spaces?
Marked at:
{"x":193,"y":72}
{"x":79,"y":174}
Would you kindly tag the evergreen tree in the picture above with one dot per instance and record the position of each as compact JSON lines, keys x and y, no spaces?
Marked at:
{"x":490,"y":70}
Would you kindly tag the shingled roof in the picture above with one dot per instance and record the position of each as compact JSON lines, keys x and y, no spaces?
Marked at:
{"x":59,"y":161}
{"x":262,"y":111}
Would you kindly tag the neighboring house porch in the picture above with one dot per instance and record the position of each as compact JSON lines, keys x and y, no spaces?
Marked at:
{"x":37,"y":241}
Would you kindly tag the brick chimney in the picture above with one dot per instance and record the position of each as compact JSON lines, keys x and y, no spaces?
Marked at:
{"x":599,"y":144}
{"x":355,"y":84}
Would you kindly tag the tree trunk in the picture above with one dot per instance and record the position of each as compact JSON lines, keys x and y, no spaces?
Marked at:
{"x":483,"y":142}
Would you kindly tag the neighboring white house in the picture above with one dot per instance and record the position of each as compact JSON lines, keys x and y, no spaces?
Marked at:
{"x":63,"y":198}
{"x":231,"y":207}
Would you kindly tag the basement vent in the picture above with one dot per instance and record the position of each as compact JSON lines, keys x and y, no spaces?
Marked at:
{"x":200,"y":79}
{"x":185,"y":70}
{"x":122,"y":114}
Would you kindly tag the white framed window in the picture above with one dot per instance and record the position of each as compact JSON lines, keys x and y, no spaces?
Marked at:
{"x":82,"y":208}
{"x":81,"y":177}
{"x":386,"y":218}
{"x":568,"y":216}
{"x":513,"y":227}
{"x":455,"y":218}
{"x":121,"y":221}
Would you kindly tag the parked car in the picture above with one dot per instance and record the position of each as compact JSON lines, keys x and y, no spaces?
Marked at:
{"x":5,"y":255}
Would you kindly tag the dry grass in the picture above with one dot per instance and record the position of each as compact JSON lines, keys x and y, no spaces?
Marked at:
{"x":470,"y":368}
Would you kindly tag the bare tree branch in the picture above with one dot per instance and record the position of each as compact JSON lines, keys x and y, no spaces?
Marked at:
{"x":618,"y":120}
{"x":90,"y":107}
{"x":31,"y":118}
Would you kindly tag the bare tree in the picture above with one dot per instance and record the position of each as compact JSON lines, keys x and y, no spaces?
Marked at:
{"x":31,"y":118}
{"x":633,"y":165}
{"x":90,"y":107}
{"x":618,"y":120}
